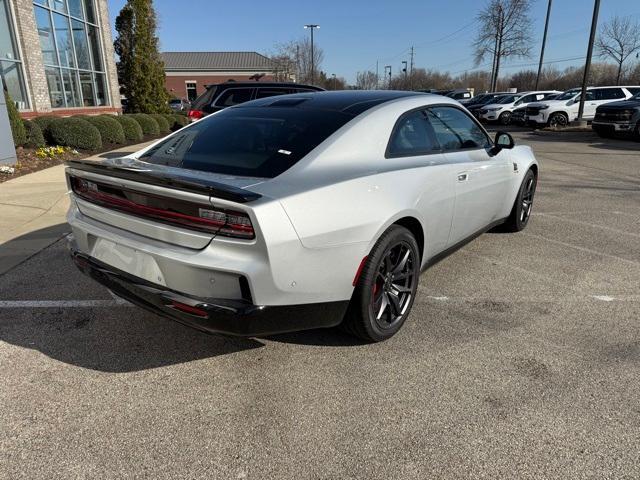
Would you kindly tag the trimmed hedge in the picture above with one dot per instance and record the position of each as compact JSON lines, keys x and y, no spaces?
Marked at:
{"x":75,"y":133}
{"x":35,"y":138}
{"x":163,"y":123}
{"x":170,"y":120}
{"x":44,"y":122}
{"x":147,"y":123}
{"x":17,"y":127}
{"x":181,"y":120}
{"x":110,"y":130}
{"x":132,"y":129}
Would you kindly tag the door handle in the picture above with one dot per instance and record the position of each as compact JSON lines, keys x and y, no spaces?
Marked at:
{"x":463,"y":177}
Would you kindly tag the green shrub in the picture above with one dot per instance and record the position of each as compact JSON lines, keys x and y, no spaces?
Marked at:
{"x":44,"y":122}
{"x":75,"y":133}
{"x":181,"y":120}
{"x":35,"y":139}
{"x":147,"y":123}
{"x":110,"y":130}
{"x":132,"y":129}
{"x":171,"y":121}
{"x":17,"y":127}
{"x":162,"y":122}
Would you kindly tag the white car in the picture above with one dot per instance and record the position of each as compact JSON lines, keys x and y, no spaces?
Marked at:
{"x":502,"y":110}
{"x":562,"y":110}
{"x":299,"y":211}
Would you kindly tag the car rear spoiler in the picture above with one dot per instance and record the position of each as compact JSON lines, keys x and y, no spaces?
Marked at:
{"x":157,"y":177}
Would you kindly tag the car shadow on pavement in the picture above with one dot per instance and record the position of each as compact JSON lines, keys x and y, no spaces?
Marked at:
{"x":323,"y":337}
{"x":124,"y":340}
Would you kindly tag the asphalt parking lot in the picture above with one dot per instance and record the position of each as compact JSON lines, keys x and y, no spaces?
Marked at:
{"x":521,"y":359}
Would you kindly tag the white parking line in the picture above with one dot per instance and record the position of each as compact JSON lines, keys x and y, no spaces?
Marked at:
{"x":62,"y":303}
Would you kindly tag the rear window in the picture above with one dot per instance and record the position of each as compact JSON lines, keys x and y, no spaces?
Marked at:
{"x":204,"y":99}
{"x":248,"y":141}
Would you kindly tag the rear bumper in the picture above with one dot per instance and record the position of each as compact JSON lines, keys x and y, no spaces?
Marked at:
{"x":231,"y":317}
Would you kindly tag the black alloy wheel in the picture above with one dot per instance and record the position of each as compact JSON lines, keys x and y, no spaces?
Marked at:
{"x":521,"y":211}
{"x":393,"y":285}
{"x":386,"y":287}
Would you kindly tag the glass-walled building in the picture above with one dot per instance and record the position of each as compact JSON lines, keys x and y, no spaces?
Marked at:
{"x":56,"y":56}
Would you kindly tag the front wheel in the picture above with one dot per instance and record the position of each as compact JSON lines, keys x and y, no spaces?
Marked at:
{"x":386,"y":288}
{"x":505,"y":118}
{"x":558,"y":120}
{"x":521,"y":211}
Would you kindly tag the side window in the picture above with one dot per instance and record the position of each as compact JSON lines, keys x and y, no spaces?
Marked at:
{"x":234,"y":96}
{"x":412,"y":135}
{"x":271,"y":92}
{"x":633,"y":90}
{"x":609,"y":93}
{"x":455,"y":130}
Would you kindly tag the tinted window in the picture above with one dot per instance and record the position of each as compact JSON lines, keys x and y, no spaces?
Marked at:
{"x":608,"y":93}
{"x":205,"y":99}
{"x":633,"y":90}
{"x":412,"y":135}
{"x":271,"y":92}
{"x":455,"y":130}
{"x":249,"y":141}
{"x":234,"y":96}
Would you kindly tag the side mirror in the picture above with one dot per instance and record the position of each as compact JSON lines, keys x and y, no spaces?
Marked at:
{"x":503,"y":140}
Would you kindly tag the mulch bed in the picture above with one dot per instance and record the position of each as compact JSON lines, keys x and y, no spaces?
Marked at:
{"x":28,"y":162}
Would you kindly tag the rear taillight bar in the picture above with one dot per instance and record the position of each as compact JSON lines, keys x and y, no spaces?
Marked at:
{"x":194,"y":216}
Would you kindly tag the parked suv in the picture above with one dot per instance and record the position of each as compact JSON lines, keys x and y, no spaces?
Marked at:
{"x":564,"y":109}
{"x":501,"y":111}
{"x":618,"y":118}
{"x":227,"y":94}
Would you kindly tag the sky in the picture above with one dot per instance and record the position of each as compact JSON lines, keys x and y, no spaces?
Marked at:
{"x":356,"y":33}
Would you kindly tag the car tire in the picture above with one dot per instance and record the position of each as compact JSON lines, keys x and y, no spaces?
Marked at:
{"x":505,"y":118}
{"x":523,"y":204}
{"x":558,"y":119}
{"x":386,"y":287}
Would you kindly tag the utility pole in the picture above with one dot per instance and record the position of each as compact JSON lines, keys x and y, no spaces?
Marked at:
{"x":587,"y":65}
{"x":544,"y":41}
{"x":385,"y":71}
{"x":493,"y":64}
{"x":377,"y":77}
{"x":411,"y":70}
{"x":311,"y":27}
{"x":297,"y":63}
{"x":499,"y":49}
{"x":333,"y":75}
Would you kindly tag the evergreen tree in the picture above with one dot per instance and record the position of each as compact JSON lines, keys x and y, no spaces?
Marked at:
{"x":140,"y":69}
{"x":17,"y":127}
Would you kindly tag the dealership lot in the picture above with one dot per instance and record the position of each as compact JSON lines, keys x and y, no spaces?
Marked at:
{"x":521,"y":359}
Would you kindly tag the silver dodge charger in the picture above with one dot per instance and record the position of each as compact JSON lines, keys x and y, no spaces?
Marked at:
{"x":296,"y":212}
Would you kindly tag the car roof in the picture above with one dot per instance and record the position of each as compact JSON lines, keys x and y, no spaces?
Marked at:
{"x":352,"y":102}
{"x":263,"y":85}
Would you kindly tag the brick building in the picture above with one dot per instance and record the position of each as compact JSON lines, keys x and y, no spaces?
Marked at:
{"x":187,"y":73}
{"x":56,"y":56}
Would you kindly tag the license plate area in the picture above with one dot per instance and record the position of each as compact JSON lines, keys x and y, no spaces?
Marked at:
{"x":129,"y":260}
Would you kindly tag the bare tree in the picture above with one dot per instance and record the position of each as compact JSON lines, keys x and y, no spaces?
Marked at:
{"x":366,"y":80}
{"x":505,"y":31}
{"x":296,"y":55}
{"x":619,"y":38}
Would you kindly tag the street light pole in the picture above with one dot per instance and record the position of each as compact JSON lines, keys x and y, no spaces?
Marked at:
{"x":587,"y":65}
{"x":311,"y":27}
{"x":544,"y":41}
{"x":385,"y":71}
{"x":333,"y":75}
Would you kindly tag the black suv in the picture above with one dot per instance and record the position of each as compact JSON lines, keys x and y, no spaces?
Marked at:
{"x":227,"y":94}
{"x":618,"y":118}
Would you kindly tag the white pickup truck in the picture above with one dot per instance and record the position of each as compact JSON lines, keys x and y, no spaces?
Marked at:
{"x":564,"y":108}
